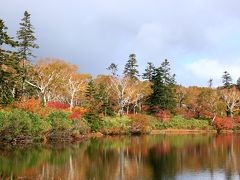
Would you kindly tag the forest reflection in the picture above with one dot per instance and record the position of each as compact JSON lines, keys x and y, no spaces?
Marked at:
{"x":136,"y":157}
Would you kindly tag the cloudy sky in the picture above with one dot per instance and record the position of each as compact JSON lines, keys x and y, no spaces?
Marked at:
{"x":201,"y":38}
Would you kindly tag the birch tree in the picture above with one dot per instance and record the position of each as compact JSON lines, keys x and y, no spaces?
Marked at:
{"x":119,"y":86}
{"x":181,"y":95}
{"x":143,"y":90}
{"x":231,"y":97}
{"x":76,"y":82}
{"x":43,"y":75}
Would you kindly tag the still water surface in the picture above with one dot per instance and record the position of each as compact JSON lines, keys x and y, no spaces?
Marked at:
{"x":138,"y":157}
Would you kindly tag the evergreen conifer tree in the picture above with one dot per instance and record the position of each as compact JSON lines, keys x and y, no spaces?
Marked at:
{"x":238,"y":83}
{"x":27,"y":40}
{"x":92,"y":116}
{"x":130,"y":69}
{"x":163,"y":86}
{"x":9,"y":66}
{"x":91,"y":94}
{"x":226,"y":79}
{"x":148,"y":71}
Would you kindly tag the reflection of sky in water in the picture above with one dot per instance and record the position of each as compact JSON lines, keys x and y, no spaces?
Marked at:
{"x":206,"y":175}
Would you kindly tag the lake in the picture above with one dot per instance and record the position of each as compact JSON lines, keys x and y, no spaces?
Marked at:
{"x":128,"y":157}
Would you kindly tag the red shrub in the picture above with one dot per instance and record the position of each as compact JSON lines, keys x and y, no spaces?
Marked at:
{"x":223,"y":123}
{"x":57,"y":105}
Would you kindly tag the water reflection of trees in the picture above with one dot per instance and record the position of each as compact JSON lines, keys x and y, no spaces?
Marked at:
{"x":146,"y":157}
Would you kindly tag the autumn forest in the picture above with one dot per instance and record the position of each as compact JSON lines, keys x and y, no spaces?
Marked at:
{"x":49,"y":99}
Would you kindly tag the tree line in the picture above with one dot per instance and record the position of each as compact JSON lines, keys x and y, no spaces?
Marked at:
{"x":154,"y":91}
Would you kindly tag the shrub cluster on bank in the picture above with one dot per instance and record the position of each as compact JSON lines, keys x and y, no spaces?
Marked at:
{"x":18,"y":126}
{"x":27,"y":123}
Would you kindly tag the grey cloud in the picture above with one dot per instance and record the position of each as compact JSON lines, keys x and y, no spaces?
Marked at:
{"x":96,"y":32}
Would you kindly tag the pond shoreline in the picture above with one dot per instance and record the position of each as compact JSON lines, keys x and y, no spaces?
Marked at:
{"x":183,"y":131}
{"x":158,"y":132}
{"x":89,"y":136}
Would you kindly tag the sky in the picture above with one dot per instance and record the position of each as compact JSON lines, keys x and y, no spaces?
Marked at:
{"x":200,"y":38}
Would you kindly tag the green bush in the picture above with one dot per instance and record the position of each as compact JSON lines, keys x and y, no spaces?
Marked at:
{"x":20,"y":124}
{"x":59,"y":121}
{"x":40,"y":126}
{"x":80,"y":127}
{"x":94,"y":121}
{"x":178,"y":122}
{"x":15,"y":124}
{"x":156,"y":123}
{"x":4,"y":120}
{"x":116,"y":125}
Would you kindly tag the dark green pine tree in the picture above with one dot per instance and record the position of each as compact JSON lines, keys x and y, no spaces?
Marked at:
{"x":130,"y":69}
{"x":148,"y":71}
{"x":9,"y":66}
{"x":92,"y":116}
{"x":97,"y":99}
{"x":163,"y":86}
{"x":102,"y":95}
{"x":238,"y":83}
{"x":91,"y":95}
{"x":27,"y":40}
{"x":226,"y":79}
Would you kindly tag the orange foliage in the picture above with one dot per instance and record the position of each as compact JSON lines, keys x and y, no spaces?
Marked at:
{"x":77,"y":113}
{"x":139,"y":123}
{"x":30,"y":105}
{"x":180,"y":111}
{"x":34,"y":106}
